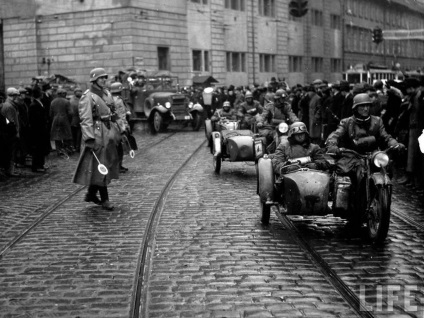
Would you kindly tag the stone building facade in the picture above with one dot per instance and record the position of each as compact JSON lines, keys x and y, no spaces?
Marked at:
{"x":237,"y":42}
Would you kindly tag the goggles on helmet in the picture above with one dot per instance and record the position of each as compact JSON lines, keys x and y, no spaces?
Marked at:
{"x":298,"y":129}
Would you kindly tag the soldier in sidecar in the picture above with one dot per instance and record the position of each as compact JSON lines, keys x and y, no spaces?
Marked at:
{"x":230,"y":143}
{"x":294,"y":177}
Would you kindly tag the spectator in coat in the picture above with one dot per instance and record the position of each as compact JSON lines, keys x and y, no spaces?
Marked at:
{"x":75,"y":121}
{"x":60,"y":117}
{"x":10,"y":112}
{"x":39,"y":125}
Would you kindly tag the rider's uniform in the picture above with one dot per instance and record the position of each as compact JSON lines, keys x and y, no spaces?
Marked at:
{"x":287,"y":150}
{"x":246,"y":113}
{"x":221,"y":113}
{"x":272,"y":116}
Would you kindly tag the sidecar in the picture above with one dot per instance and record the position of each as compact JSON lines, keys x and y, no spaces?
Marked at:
{"x":229,"y":143}
{"x":300,"y":192}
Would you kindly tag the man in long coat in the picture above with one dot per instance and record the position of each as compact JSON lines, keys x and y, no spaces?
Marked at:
{"x":101,"y":136}
{"x":60,"y":116}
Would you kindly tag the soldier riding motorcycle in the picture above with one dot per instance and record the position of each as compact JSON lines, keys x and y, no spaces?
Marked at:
{"x":275,"y":113}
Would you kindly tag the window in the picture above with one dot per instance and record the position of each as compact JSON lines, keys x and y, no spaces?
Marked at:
{"x":295,"y":64}
{"x":316,"y":18}
{"x":317,"y":63}
{"x":236,"y":62}
{"x":200,"y":1}
{"x":336,"y":65}
{"x":197,"y":60}
{"x":335,"y":22}
{"x":266,"y":8}
{"x":163,"y":58}
{"x":206,"y":60}
{"x":266,"y":63}
{"x":235,"y":5}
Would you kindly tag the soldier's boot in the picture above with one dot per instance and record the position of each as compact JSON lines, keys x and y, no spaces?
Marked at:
{"x":91,"y":195}
{"x":104,"y":197}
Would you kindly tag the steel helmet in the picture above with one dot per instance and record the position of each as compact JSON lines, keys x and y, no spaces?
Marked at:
{"x":116,"y":87}
{"x":248,"y":94}
{"x":280,"y":93}
{"x":96,"y":73}
{"x":297,"y":128}
{"x":226,"y":103}
{"x":361,"y":99}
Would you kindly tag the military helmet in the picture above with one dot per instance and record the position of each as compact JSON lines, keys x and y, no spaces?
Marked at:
{"x":248,"y":94}
{"x":280,"y":93}
{"x":11,"y":91}
{"x":226,"y":103}
{"x":297,"y":128}
{"x":116,"y":87}
{"x":361,"y":99}
{"x":96,"y":73}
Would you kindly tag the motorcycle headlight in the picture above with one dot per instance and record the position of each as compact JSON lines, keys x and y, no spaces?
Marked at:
{"x":283,"y":128}
{"x":190,"y":105}
{"x":381,"y":159}
{"x":168,"y":105}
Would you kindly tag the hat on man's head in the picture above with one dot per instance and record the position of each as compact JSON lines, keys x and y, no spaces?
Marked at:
{"x":62,"y":91}
{"x":11,"y":91}
{"x":46,"y":87}
{"x":344,"y":86}
{"x":22,"y":91}
{"x":317,"y":82}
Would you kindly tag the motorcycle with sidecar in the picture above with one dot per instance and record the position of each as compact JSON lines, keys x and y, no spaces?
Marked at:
{"x":229,"y":143}
{"x":302,"y":191}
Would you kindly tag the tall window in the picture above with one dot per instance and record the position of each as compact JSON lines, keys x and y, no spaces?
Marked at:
{"x":200,"y":60}
{"x":335,"y":22}
{"x":266,"y":63}
{"x":266,"y":8}
{"x":163,"y":58}
{"x":336,"y":65}
{"x":317,"y":18}
{"x":317,"y":63}
{"x":235,"y":5}
{"x":197,"y":60}
{"x":295,"y":64}
{"x":236,"y":62}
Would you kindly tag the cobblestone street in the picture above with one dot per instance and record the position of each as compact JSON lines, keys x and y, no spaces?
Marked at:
{"x":208,"y":254}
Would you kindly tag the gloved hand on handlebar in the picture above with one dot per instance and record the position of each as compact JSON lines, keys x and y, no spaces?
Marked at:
{"x":333,"y":150}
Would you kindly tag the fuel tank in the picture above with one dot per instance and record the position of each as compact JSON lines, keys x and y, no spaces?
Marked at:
{"x":306,"y":192}
{"x":240,"y":148}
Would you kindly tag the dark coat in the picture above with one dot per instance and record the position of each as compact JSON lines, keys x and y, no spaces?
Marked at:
{"x":60,"y":116}
{"x":39,"y":128}
{"x":95,"y":113}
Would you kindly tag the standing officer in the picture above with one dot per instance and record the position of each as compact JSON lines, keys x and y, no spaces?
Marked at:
{"x":101,"y":137}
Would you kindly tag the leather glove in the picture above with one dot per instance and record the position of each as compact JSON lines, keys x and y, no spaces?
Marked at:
{"x":333,"y":150}
{"x":311,"y":165}
{"x":259,"y":125}
{"x":89,"y":143}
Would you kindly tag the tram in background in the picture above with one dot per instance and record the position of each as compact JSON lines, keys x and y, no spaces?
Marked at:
{"x":370,"y":75}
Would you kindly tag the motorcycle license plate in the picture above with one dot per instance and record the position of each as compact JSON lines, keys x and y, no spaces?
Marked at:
{"x":259,"y":152}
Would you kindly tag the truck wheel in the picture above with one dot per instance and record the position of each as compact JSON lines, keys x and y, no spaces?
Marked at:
{"x":197,"y":121}
{"x":157,"y":123}
{"x":265,"y":212}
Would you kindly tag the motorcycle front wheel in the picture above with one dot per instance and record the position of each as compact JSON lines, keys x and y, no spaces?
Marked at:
{"x":379,"y":215}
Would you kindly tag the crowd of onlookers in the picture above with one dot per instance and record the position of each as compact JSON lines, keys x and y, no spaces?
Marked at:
{"x":35,"y":120}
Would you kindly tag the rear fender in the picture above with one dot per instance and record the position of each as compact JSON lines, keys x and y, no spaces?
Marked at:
{"x":266,"y":180}
{"x":216,"y":140}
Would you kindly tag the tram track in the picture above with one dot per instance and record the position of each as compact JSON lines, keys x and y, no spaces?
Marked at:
{"x":53,"y":207}
{"x":139,"y":301}
{"x":348,"y":295}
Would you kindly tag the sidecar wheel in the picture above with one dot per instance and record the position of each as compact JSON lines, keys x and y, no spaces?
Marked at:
{"x":379,"y":215}
{"x":217,"y":160}
{"x":265,"y":212}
